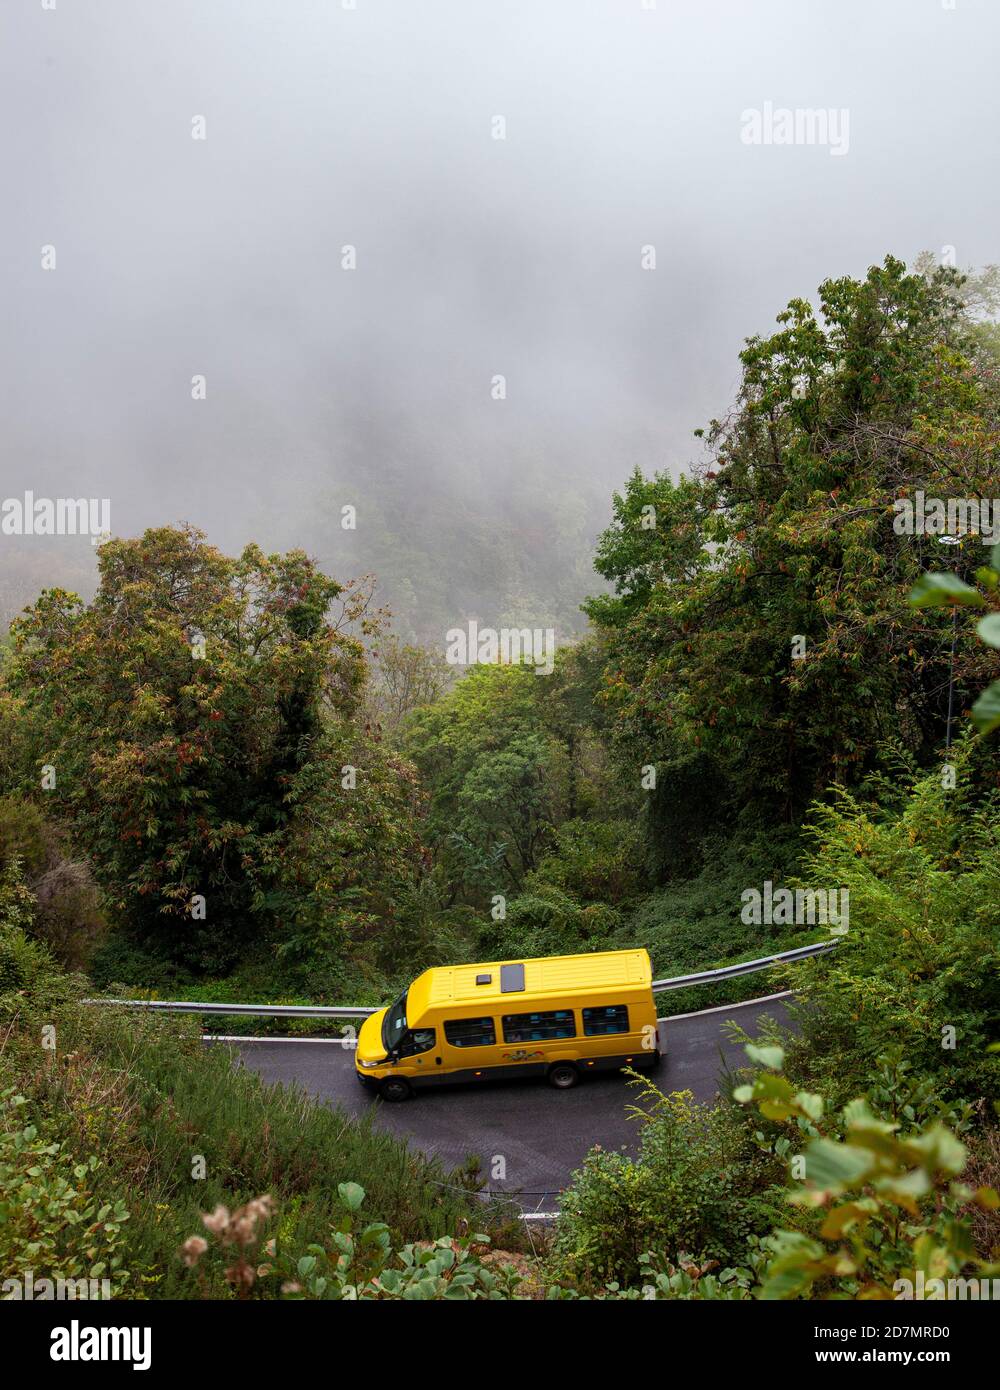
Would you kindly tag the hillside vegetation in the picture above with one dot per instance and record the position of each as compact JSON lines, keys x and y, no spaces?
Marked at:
{"x":225,"y":777}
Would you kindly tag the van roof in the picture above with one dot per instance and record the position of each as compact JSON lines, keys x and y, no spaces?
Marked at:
{"x":514,"y":982}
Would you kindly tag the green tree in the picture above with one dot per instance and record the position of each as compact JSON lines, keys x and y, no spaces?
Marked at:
{"x":176,"y":710}
{"x":762,"y":622}
{"x":496,"y":777}
{"x":352,"y":853}
{"x":598,"y":785}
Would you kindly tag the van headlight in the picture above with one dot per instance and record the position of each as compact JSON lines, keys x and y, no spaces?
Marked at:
{"x":369,"y":1064}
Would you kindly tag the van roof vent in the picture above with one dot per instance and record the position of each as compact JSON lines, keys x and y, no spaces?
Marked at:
{"x":484,"y":979}
{"x":511,"y":979}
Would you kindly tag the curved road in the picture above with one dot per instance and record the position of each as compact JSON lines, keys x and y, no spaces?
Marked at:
{"x":540,"y":1134}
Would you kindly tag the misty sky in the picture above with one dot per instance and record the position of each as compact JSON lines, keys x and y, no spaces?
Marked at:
{"x":327,"y":126}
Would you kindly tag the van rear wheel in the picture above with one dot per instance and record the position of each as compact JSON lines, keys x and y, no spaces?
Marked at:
{"x":395,"y":1089}
{"x":563,"y":1075}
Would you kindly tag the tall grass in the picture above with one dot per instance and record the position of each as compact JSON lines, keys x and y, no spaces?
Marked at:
{"x":159,"y":1108}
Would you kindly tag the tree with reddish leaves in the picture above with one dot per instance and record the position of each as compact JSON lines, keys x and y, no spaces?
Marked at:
{"x":177,"y":709}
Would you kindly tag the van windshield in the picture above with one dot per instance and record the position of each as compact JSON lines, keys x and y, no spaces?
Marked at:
{"x":394,"y":1023}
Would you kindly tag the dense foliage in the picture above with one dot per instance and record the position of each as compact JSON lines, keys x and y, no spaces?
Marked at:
{"x":227,"y":773}
{"x":761,"y":614}
{"x":171,"y":714}
{"x":919,"y":968}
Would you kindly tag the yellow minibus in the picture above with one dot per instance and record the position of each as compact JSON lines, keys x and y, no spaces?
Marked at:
{"x":560,"y":1017}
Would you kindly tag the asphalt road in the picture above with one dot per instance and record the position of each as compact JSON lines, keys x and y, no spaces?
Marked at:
{"x":539,"y":1133}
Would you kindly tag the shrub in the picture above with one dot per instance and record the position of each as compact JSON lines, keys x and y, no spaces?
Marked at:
{"x":983,"y":1171}
{"x":881,"y":1198}
{"x":67,"y":917}
{"x":24,"y":962}
{"x":874,"y":1206}
{"x":427,"y":931}
{"x":549,"y":921}
{"x":919,"y":967}
{"x":698,"y":1185}
{"x":352,"y":1264}
{"x":594,"y":861}
{"x":696,"y":922}
{"x":58,"y":1217}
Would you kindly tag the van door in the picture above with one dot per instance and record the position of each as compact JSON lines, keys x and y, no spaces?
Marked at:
{"x":414,"y":1054}
{"x":469,"y":1046}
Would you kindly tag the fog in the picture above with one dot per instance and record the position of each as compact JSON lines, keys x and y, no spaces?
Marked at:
{"x":477,"y":257}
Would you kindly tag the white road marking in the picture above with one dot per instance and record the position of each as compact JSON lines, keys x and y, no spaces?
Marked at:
{"x":728,"y":1008}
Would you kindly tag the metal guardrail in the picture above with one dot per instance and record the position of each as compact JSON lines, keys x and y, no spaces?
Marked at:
{"x":189,"y":1006}
{"x":703,"y":977}
{"x":730,"y":972}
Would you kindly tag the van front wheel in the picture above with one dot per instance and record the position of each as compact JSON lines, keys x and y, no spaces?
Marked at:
{"x":563,"y":1075}
{"x":395,"y":1089}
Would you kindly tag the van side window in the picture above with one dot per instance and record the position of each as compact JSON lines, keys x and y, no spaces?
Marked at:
{"x":470,"y":1032}
{"x":416,"y":1040}
{"x":519,"y":1028}
{"x":612,"y":1018}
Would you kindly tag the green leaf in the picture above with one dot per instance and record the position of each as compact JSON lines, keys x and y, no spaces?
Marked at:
{"x":940,"y":590}
{"x":989,"y":629}
{"x":811,"y":1104}
{"x":768,"y":1086}
{"x":842,"y":1219}
{"x":768,"y":1056}
{"x":939,"y":1149}
{"x":986,"y":710}
{"x":376,"y":1234}
{"x":351,"y":1195}
{"x":906,"y":1188}
{"x":833,"y":1165}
